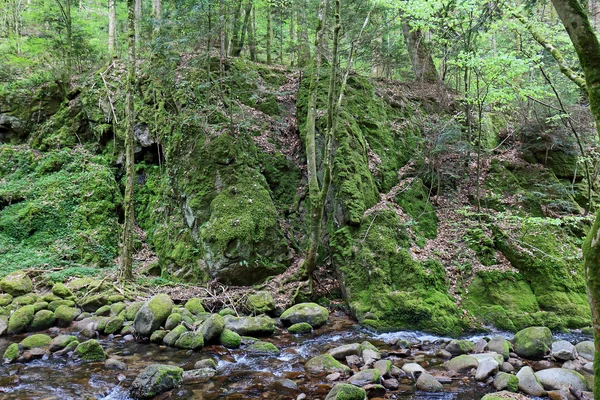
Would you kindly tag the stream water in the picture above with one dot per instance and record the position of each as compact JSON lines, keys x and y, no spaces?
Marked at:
{"x":239,"y":374}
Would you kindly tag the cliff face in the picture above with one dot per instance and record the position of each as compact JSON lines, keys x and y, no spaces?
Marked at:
{"x":414,"y":240}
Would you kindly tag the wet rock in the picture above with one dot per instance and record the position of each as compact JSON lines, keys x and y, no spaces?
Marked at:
{"x":212,"y":328}
{"x":504,"y":395}
{"x":190,"y":341}
{"x":442,"y":353}
{"x":563,"y":350}
{"x":333,"y":377}
{"x":206,"y":363}
{"x":325,"y":364}
{"x":171,"y":337}
{"x":499,"y":345}
{"x":428,"y":383}
{"x":370,"y":354}
{"x":507,"y":367}
{"x":156,"y":379}
{"x":250,"y":326}
{"x":16,"y":284}
{"x":265,"y":348}
{"x":515,"y":362}
{"x":42,"y":320}
{"x":374,"y":390}
{"x":53,"y":305}
{"x":198,"y":375}
{"x":230,"y":339}
{"x":462,"y":363}
{"x":354,"y":361}
{"x":68,"y":349}
{"x":458,"y":347}
{"x":560,"y":378}
{"x":3,"y":324}
{"x":33,"y":354}
{"x":11,"y":354}
{"x":345,"y":350}
{"x":391,"y":384}
{"x":412,"y":369}
{"x":60,"y":342}
{"x":113,"y":325}
{"x":173,"y":320}
{"x":35,"y":341}
{"x":153,"y":314}
{"x":311,"y":313}
{"x":529,"y":384}
{"x":485,"y":369}
{"x":302,"y":327}
{"x":158,"y":336}
{"x":286,"y":384}
{"x":533,"y":343}
{"x":60,"y":290}
{"x":504,"y":381}
{"x":90,"y":351}
{"x":114,"y":364}
{"x":365,"y":377}
{"x":261,"y":303}
{"x":344,"y":391}
{"x":384,"y":367}
{"x":586,"y":349}
{"x":65,"y":315}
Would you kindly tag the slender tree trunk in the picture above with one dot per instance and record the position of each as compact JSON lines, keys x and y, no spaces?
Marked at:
{"x":112,"y":27}
{"x":128,"y":226}
{"x":235,"y":32}
{"x":138,"y":19}
{"x":269,"y":32}
{"x":420,"y":56}
{"x":292,"y":39}
{"x":239,"y":43}
{"x":221,"y":32}
{"x":303,"y":46}
{"x":576,"y":21}
{"x":157,"y":9}
{"x":252,"y":35}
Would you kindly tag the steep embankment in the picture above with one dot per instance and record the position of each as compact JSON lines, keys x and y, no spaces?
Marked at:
{"x":220,"y":194}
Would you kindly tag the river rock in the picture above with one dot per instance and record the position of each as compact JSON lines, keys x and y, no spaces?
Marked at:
{"x":412,"y":369}
{"x":42,"y":320}
{"x":344,"y":391}
{"x":5,"y":299}
{"x":194,"y":305}
{"x":206,"y":363}
{"x":158,"y":336}
{"x":341,"y":352}
{"x":153,"y":314}
{"x":486,"y":368}
{"x":504,"y":381}
{"x":20,"y":319}
{"x":458,"y":347}
{"x":190,"y":341}
{"x":230,"y":339}
{"x":504,"y":395}
{"x":533,"y":343}
{"x":391,"y":384}
{"x":428,"y":383}
{"x":507,"y":367}
{"x":384,"y":367}
{"x":559,"y":378}
{"x":26,"y":299}
{"x":198,"y":375}
{"x":480,"y":346}
{"x":250,"y":326}
{"x":529,"y":384}
{"x":586,"y":349}
{"x":488,"y":356}
{"x":563,"y":350}
{"x":261,"y":303}
{"x":53,"y":305}
{"x":588,"y":368}
{"x":60,"y":342}
{"x":302,"y":327}
{"x":93,"y":303}
{"x":365,"y":377}
{"x":212,"y":328}
{"x":171,"y":337}
{"x":263,"y":348}
{"x":562,"y":394}
{"x":65,"y":315}
{"x":59,"y":289}
{"x":90,"y":351}
{"x":499,"y":345}
{"x":173,"y":320}
{"x":462,"y":363}
{"x":16,"y":284}
{"x":370,"y":354}
{"x":11,"y":354}
{"x":156,"y":379}
{"x":114,"y":325}
{"x":311,"y":313}
{"x":374,"y":390}
{"x":3,"y":324}
{"x":325,"y":364}
{"x":35,"y":341}
{"x":115,"y":365}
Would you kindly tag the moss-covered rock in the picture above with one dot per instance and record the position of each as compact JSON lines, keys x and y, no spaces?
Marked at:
{"x":153,"y":314}
{"x":158,"y":336}
{"x":458,"y":347}
{"x":25,"y":299}
{"x":11,"y":354}
{"x":461,"y":363}
{"x":190,"y":340}
{"x":212,"y":327}
{"x":93,"y":303}
{"x":117,"y":308}
{"x":5,"y":299}
{"x":132,"y":310}
{"x":20,"y":319}
{"x":260,"y":303}
{"x":113,"y":325}
{"x":260,"y":347}
{"x":325,"y":364}
{"x":59,"y":289}
{"x":171,"y":337}
{"x":250,"y":326}
{"x":40,"y":305}
{"x":61,"y":341}
{"x":42,"y":320}
{"x":504,"y":381}
{"x":302,"y":327}
{"x":154,"y":380}
{"x":345,"y":391}
{"x":228,"y":311}
{"x":173,"y":320}
{"x":533,"y":342}
{"x":37,"y":340}
{"x":90,"y":350}
{"x":53,"y":305}
{"x":65,"y":315}
{"x":230,"y":339}
{"x":194,"y":305}
{"x":17,"y":283}
{"x":103,"y":311}
{"x":311,"y":313}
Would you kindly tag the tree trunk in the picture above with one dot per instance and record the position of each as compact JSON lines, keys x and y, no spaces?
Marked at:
{"x":239,"y":43}
{"x":269,"y":32}
{"x":420,"y":56}
{"x":127,"y":240}
{"x":235,"y":32}
{"x":112,"y":27}
{"x":221,"y":32}
{"x":138,"y":19}
{"x":576,"y":22}
{"x":252,"y":35}
{"x":303,"y":46}
{"x":157,"y":9}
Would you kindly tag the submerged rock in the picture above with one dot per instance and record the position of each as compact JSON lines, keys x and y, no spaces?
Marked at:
{"x":311,"y":313}
{"x":153,"y":314}
{"x":154,"y":380}
{"x":533,"y":342}
{"x":198,"y":375}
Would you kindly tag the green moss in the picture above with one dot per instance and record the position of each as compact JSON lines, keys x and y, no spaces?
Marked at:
{"x":173,"y":320}
{"x":5,"y":299}
{"x":190,"y":340}
{"x":113,"y":325}
{"x":11,"y":353}
{"x":171,"y":337}
{"x":42,"y":320}
{"x":302,"y":327}
{"x":415,"y":202}
{"x":20,"y":319}
{"x":37,"y":340}
{"x":230,"y":339}
{"x":132,"y":310}
{"x":90,"y":351}
{"x":194,"y":305}
{"x":260,"y":347}
{"x":60,"y":290}
{"x":65,"y":315}
{"x":345,"y":391}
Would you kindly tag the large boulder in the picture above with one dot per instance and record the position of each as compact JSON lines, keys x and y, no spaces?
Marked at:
{"x":560,"y":378}
{"x":35,"y":341}
{"x":311,"y":313}
{"x":533,"y":342}
{"x":190,"y":340}
{"x":461,"y":363}
{"x":153,"y":314}
{"x":16,"y":284}
{"x":212,"y":328}
{"x":499,"y":345}
{"x":65,"y":315}
{"x":20,"y":319}
{"x":325,"y":364}
{"x":529,"y":384}
{"x":154,"y":380}
{"x":250,"y":326}
{"x":344,"y":391}
{"x":486,"y":368}
{"x":586,"y":349}
{"x":42,"y":320}
{"x":563,"y":350}
{"x":230,"y":339}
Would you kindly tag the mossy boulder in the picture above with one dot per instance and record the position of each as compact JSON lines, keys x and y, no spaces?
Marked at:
{"x":132,"y":309}
{"x":25,"y":299}
{"x":533,"y":342}
{"x":504,"y":381}
{"x":53,"y":305}
{"x":20,"y":319}
{"x":90,"y":350}
{"x":37,"y":340}
{"x":212,"y":328}
{"x":59,"y":289}
{"x":173,"y":320}
{"x":65,"y":315}
{"x":302,"y":327}
{"x":260,"y":303}
{"x":365,"y":377}
{"x":171,"y":337}
{"x":311,"y":313}
{"x":11,"y":354}
{"x":154,"y":380}
{"x":499,"y":345}
{"x":261,"y":347}
{"x":228,"y":311}
{"x":250,"y":326}
{"x":40,"y":305}
{"x":61,"y":341}
{"x":561,"y":378}
{"x":93,"y":303}
{"x":103,"y":311}
{"x":325,"y":364}
{"x":113,"y":325}
{"x":190,"y":340}
{"x":458,"y":347}
{"x":195,"y":306}
{"x":17,"y":283}
{"x":117,"y":308}
{"x":5,"y":299}
{"x":153,"y":314}
{"x":230,"y":339}
{"x":42,"y":320}
{"x":158,"y":336}
{"x":345,"y":391}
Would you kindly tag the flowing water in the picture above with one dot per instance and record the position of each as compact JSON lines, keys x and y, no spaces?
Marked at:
{"x":239,"y":375}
